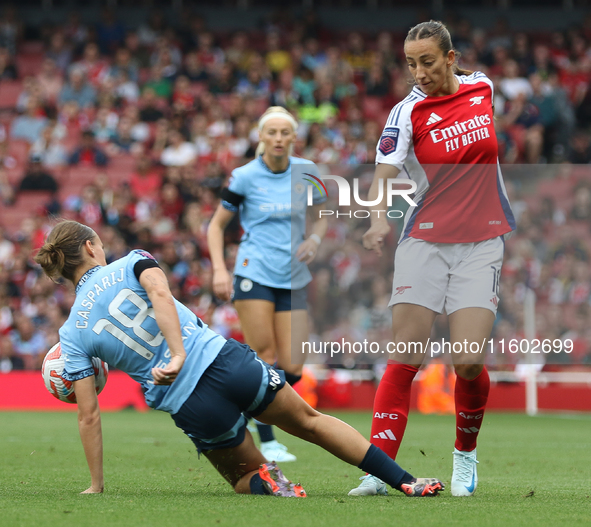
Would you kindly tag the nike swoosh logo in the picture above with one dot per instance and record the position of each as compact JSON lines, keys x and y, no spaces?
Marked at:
{"x":471,"y":487}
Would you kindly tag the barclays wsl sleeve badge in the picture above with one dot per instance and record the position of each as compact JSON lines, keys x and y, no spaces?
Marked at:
{"x":389,"y":140}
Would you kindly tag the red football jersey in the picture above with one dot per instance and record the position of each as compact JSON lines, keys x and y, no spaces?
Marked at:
{"x":448,"y":146}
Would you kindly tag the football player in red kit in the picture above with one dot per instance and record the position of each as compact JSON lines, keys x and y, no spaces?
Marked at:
{"x":450,"y":252}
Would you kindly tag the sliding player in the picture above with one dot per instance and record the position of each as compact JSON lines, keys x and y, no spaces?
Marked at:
{"x":125,"y":314}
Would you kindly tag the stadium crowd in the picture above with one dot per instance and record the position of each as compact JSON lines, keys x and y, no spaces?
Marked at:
{"x":134,"y":130}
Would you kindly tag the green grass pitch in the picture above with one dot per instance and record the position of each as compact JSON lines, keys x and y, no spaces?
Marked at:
{"x":533,"y":471}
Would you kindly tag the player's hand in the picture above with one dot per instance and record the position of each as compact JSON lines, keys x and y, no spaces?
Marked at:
{"x":166,"y":376}
{"x":222,"y":285}
{"x":373,"y":239}
{"x":94,"y":489}
{"x":307,"y":251}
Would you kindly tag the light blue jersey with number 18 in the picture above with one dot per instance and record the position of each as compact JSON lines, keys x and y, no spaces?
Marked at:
{"x":113,"y":319}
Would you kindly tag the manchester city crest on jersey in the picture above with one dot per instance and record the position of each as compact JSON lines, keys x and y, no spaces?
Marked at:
{"x":299,"y":188}
{"x":389,"y":140}
{"x":246,"y":285}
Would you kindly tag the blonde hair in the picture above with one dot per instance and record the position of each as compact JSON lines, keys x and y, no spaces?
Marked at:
{"x":61,"y":254}
{"x":275,"y":112}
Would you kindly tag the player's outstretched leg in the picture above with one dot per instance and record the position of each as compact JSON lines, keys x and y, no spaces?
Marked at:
{"x":291,"y":413}
{"x":245,"y":468}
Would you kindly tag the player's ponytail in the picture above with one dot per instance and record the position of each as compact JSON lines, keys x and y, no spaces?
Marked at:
{"x":438,"y":31}
{"x":275,"y":112}
{"x":61,"y":254}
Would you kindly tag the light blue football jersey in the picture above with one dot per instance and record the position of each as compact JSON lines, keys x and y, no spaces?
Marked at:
{"x":273,"y":216}
{"x":112,"y":318}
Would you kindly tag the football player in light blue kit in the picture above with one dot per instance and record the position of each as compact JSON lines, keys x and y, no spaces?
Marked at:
{"x":125,"y":314}
{"x":271,"y":270}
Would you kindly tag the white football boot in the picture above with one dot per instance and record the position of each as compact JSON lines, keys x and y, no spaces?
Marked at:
{"x":465,"y":477}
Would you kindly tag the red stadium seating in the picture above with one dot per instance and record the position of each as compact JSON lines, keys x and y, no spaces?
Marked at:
{"x":29,"y":64}
{"x":9,"y":92}
{"x":27,"y":204}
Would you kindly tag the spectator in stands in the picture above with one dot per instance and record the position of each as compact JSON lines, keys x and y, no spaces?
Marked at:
{"x":29,"y":125}
{"x":11,"y":29}
{"x":209,"y":55}
{"x":110,"y":32}
{"x":179,"y":152}
{"x":313,"y":57}
{"x":59,"y":51}
{"x":240,"y":52}
{"x":139,"y":53}
{"x":277,"y":59}
{"x":31,"y":88}
{"x":357,"y":56}
{"x":75,"y":31}
{"x":334,"y":64}
{"x":223,"y":81}
{"x":49,"y":148}
{"x":28,"y":344}
{"x":7,"y":194}
{"x":122,"y":142}
{"x":94,"y":66}
{"x":140,"y":131}
{"x":161,"y":86}
{"x":377,"y":82}
{"x":581,"y":210}
{"x":150,"y":111}
{"x":104,"y":125}
{"x":182,"y":97}
{"x":36,"y":178}
{"x":145,"y":181}
{"x":149,"y":31}
{"x":78,"y":89}
{"x":523,"y":119}
{"x":124,"y":63}
{"x":254,"y":85}
{"x":193,"y":69}
{"x":88,"y":153}
{"x":513,"y":85}
{"x":580,"y":148}
{"x":7,"y":67}
{"x":50,"y":81}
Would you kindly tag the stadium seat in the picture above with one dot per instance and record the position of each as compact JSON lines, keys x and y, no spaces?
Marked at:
{"x":32,"y":47}
{"x":19,"y":149}
{"x":372,"y":107}
{"x":29,"y":64}
{"x":9,"y":92}
{"x":27,"y":204}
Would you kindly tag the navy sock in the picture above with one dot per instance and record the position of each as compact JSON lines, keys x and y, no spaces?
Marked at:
{"x":256,"y":485}
{"x":292,"y":378}
{"x":265,"y":432}
{"x":377,"y":463}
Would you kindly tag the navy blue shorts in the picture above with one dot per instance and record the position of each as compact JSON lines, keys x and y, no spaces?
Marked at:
{"x":236,"y":381}
{"x":284,"y":299}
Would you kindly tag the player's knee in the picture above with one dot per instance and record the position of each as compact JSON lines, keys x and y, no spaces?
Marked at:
{"x":266,"y":353}
{"x":468,"y":371}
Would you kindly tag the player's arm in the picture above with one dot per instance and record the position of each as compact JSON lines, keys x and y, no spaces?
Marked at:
{"x":89,"y":426}
{"x":373,"y":239}
{"x":222,"y":281}
{"x":309,"y":247}
{"x":154,"y":281}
